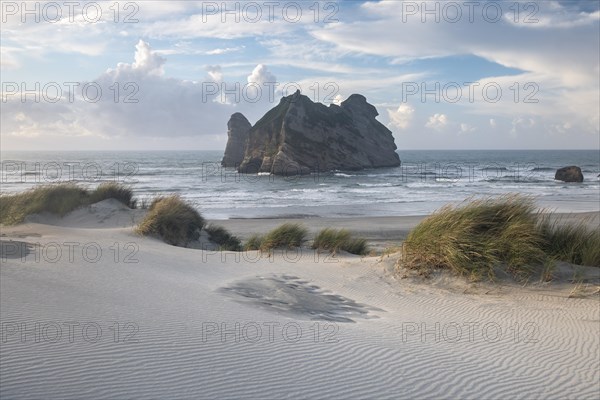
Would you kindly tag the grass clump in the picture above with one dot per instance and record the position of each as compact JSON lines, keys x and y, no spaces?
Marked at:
{"x":55,"y":199}
{"x":573,"y":243}
{"x":254,"y":242}
{"x":478,"y":238}
{"x":483,"y":237}
{"x":172,"y":219}
{"x":335,"y":240}
{"x":58,"y":199}
{"x":223,"y":238}
{"x":113,"y":190}
{"x":285,"y":236}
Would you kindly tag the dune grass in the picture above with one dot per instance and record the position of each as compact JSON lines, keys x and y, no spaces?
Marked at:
{"x":574,"y":243}
{"x":58,"y":199}
{"x":335,"y":240}
{"x":113,"y":190}
{"x":285,"y":236}
{"x":253,"y":242}
{"x":223,"y":238}
{"x":479,"y":238}
{"x":172,"y":219}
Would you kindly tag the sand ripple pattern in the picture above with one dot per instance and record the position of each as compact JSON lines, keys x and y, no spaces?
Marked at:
{"x":188,"y":339}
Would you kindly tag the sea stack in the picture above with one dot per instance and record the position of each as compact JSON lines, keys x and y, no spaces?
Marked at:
{"x":569,"y":174}
{"x":238,"y":128}
{"x":299,"y":136}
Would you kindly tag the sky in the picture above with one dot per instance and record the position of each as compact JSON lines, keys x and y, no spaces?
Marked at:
{"x":167,"y":75}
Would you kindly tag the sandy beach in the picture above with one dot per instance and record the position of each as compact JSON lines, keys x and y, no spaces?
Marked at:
{"x":337,"y":200}
{"x":89,"y":309}
{"x":381,"y":232}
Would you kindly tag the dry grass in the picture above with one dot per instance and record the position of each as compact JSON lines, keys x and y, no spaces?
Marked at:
{"x":574,"y":243}
{"x":113,"y":190}
{"x":173,"y":220}
{"x":58,"y":199}
{"x":479,"y":238}
{"x":335,"y":240}
{"x":253,"y":242}
{"x":223,"y":238}
{"x":285,"y":236}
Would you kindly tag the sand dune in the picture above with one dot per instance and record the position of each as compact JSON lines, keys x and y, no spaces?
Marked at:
{"x":140,"y":319}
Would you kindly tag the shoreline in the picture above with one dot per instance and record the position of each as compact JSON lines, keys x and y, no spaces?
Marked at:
{"x":379,"y":231}
{"x":370,"y":210}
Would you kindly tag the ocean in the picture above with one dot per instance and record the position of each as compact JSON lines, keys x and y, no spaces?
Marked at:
{"x":424,"y":182}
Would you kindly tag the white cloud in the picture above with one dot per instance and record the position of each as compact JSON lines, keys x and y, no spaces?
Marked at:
{"x":371,"y":84}
{"x":437,"y":122}
{"x":36,"y":37}
{"x":401,"y":117}
{"x":562,"y":128}
{"x":215,"y":73}
{"x":556,"y":19}
{"x":224,"y":51}
{"x":360,"y":54}
{"x":521,"y":124}
{"x":230,"y":20}
{"x":8,"y":57}
{"x":261,"y":75}
{"x":211,"y":26}
{"x":559,"y":54}
{"x":187,"y":48}
{"x":147,"y":61}
{"x":162,"y":107}
{"x":466,"y":128}
{"x":338,"y":99}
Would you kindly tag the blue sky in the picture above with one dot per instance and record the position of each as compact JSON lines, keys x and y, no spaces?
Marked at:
{"x":177,"y":51}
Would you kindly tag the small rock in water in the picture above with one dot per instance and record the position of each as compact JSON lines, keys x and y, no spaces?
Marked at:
{"x":569,"y":174}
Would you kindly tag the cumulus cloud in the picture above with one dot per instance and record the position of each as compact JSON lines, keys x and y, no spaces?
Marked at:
{"x":137,"y":100}
{"x":261,"y":75}
{"x":361,"y":54}
{"x":401,"y":117}
{"x":147,"y":61}
{"x":437,"y":122}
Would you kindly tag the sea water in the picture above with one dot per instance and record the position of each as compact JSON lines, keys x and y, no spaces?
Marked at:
{"x":424,"y":182}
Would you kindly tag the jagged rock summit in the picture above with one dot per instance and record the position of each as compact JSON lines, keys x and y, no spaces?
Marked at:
{"x":299,"y":137}
{"x":238,"y":128}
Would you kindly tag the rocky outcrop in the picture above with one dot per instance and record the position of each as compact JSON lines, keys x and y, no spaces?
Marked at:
{"x":238,"y":128}
{"x":299,"y":136}
{"x":569,"y":174}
